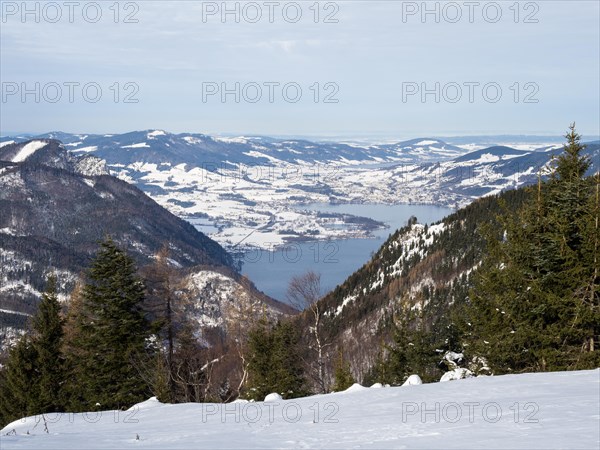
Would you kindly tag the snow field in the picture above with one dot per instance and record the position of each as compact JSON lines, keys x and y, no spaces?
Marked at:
{"x":538,"y":410}
{"x":28,"y":150}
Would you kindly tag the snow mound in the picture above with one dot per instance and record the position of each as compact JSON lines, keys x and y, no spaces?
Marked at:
{"x":28,"y":150}
{"x":457,"y":374}
{"x":152,"y":402}
{"x":356,"y":388}
{"x":377,"y":386}
{"x":273,"y":397}
{"x":413,"y":380}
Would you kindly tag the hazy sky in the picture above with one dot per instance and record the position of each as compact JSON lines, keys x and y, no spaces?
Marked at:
{"x":373,"y":57}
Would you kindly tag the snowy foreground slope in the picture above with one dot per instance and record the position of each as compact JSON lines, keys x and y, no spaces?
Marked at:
{"x":549,"y":410}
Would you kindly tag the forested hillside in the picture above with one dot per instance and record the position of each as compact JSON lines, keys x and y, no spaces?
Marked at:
{"x":417,"y":279}
{"x":509,"y":283}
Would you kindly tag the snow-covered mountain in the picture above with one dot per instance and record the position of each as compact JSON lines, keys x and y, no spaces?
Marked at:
{"x":157,"y":146}
{"x":535,"y":410}
{"x":54,"y":209}
{"x":51,"y":153}
{"x":237,"y":187}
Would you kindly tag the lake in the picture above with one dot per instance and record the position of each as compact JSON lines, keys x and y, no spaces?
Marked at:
{"x":271,"y":271}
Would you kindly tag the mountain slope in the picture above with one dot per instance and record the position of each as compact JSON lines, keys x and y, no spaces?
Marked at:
{"x":52,"y":217}
{"x":419,"y":268}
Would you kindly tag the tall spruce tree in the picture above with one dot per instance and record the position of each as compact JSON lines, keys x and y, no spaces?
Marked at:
{"x":111,"y":334}
{"x":47,"y":343}
{"x":574,"y":201}
{"x":17,"y":383}
{"x":535,"y":300}
{"x":31,"y":383}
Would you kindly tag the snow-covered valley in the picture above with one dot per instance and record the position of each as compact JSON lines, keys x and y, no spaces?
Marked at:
{"x":248,"y":191}
{"x":533,"y":411}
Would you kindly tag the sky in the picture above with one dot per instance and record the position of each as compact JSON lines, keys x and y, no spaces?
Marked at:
{"x":385,"y":69}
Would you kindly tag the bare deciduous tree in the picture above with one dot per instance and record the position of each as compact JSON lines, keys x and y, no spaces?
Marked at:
{"x":240,"y":317}
{"x":304,"y":292}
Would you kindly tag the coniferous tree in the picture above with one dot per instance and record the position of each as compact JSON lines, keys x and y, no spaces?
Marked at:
{"x":397,"y":366}
{"x":288,"y":374}
{"x":33,"y":378}
{"x":17,"y":383}
{"x":343,"y":378}
{"x":47,"y":343}
{"x":574,"y":199}
{"x":111,"y":334}
{"x":260,"y":351}
{"x":274,"y":362}
{"x":535,"y":301}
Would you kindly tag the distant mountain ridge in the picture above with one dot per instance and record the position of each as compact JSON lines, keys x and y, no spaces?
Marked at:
{"x":157,"y":146}
{"x":500,"y":151}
